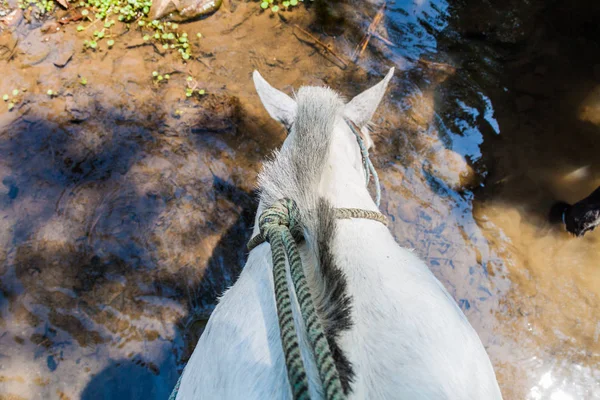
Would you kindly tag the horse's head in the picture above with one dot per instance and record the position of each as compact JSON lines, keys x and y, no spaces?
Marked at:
{"x":318,"y":115}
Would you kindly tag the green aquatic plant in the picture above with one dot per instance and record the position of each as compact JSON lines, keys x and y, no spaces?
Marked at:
{"x":275,"y":4}
{"x":99,"y":18}
{"x":160,"y":78}
{"x":192,"y":87}
{"x":16,"y":97}
{"x":4,"y":8}
{"x":42,"y":6}
{"x":102,"y":15}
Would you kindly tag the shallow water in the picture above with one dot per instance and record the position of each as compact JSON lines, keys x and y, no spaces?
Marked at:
{"x":122,"y":219}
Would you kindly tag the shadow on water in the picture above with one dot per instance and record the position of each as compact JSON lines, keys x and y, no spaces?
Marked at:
{"x":109,"y":251}
{"x":229,"y":255}
{"x":126,"y":380}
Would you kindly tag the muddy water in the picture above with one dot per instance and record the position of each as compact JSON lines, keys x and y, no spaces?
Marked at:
{"x":125,"y":206}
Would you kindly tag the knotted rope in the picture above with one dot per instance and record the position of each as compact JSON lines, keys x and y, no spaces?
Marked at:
{"x":280,"y":226}
{"x":276,"y":226}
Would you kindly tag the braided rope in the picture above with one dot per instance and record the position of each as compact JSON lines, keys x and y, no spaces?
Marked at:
{"x":348,"y":213}
{"x":276,"y":225}
{"x":280,"y":226}
{"x":340,"y":213}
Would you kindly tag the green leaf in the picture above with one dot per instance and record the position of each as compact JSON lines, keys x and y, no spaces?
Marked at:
{"x":286,"y":4}
{"x":275,"y":9}
{"x":293,"y":3}
{"x":264,"y":5}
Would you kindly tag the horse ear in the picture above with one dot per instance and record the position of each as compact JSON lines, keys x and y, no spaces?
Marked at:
{"x":279,"y":105}
{"x":360,"y":109}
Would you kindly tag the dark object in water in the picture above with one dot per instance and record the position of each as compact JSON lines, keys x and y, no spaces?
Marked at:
{"x":580,"y":217}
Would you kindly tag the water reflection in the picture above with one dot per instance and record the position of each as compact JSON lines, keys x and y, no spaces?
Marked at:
{"x":454,"y":128}
{"x":412,"y":26}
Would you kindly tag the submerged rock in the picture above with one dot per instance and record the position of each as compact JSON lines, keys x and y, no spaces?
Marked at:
{"x":451,"y":168}
{"x":184,"y":10}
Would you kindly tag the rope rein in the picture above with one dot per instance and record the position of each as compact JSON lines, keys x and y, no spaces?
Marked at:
{"x":281,"y":227}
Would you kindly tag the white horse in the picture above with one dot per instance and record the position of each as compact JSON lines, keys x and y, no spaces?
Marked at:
{"x":394,"y":330}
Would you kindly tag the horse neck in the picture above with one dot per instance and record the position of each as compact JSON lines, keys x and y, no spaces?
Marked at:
{"x":343,"y":178}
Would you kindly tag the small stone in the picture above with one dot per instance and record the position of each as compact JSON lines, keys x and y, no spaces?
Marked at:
{"x":79,"y":107}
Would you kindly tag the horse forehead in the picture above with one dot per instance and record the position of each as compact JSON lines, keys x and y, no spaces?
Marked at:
{"x":317,"y":96}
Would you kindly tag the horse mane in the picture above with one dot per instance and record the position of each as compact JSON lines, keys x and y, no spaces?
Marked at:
{"x":295,"y":172}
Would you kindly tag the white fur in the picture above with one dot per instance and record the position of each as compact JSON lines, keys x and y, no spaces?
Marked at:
{"x":409,"y":339}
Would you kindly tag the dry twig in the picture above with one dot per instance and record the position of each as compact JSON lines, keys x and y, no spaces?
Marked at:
{"x":327,"y":48}
{"x":370,"y":33}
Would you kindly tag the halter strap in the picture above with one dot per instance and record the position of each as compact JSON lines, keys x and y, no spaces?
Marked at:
{"x":368,"y":165}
